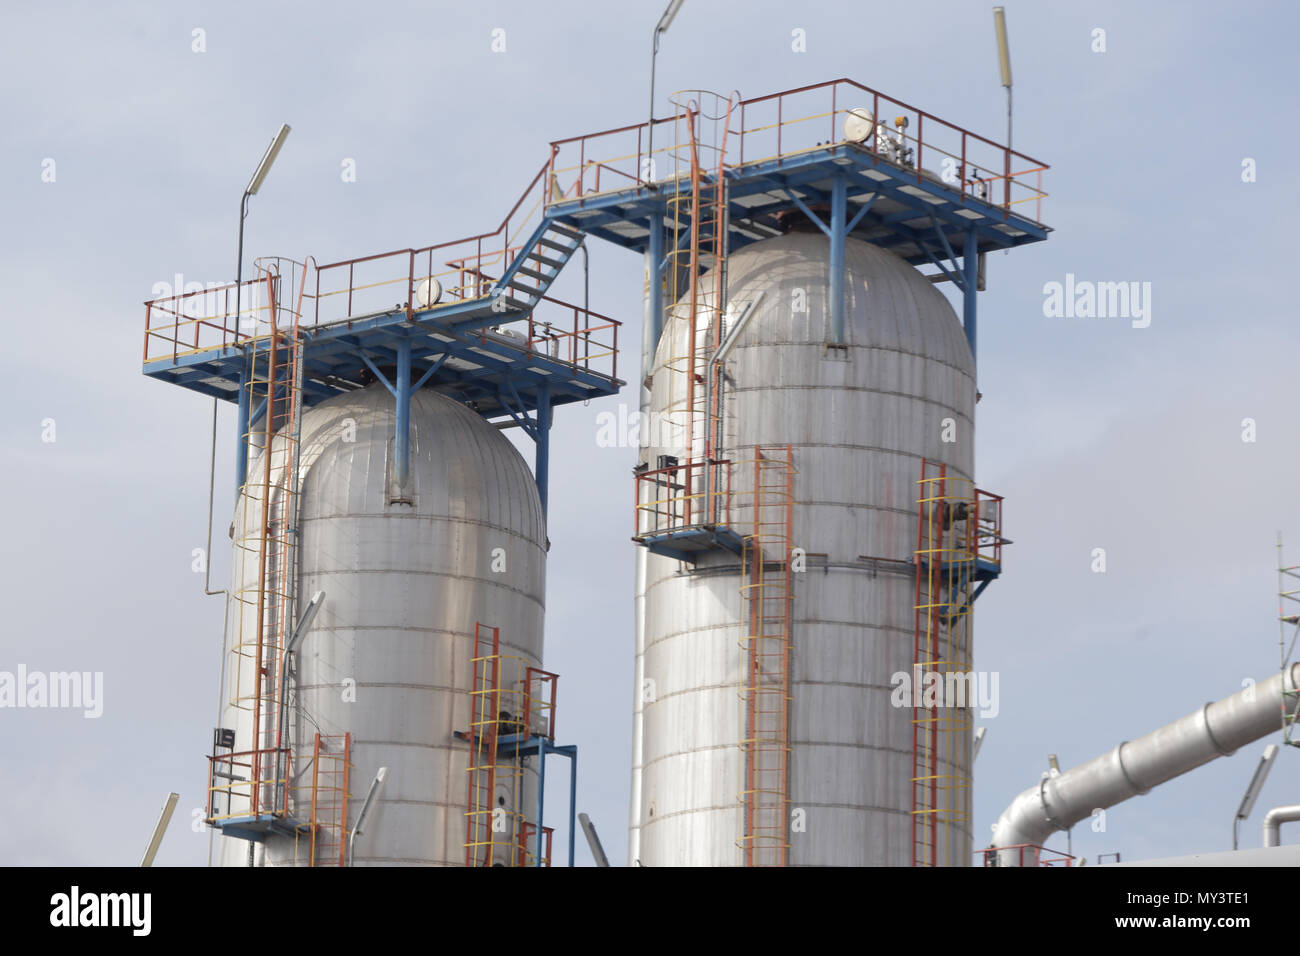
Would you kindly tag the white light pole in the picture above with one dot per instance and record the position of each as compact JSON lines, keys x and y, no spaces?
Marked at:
{"x":1256,"y":785}
{"x":365,"y":810}
{"x":1004,"y":60}
{"x":164,"y":818}
{"x":661,"y":27}
{"x":254,"y":184}
{"x":593,"y":841}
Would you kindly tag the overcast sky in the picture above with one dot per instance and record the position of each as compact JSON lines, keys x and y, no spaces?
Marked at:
{"x":1101,"y":435}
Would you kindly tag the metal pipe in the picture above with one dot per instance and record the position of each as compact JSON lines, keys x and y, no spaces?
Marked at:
{"x":1135,"y":767}
{"x":241,"y":450}
{"x":1274,"y":819}
{"x":646,"y":172}
{"x":655,"y":289}
{"x":291,"y":648}
{"x":212,"y":481}
{"x":586,"y":304}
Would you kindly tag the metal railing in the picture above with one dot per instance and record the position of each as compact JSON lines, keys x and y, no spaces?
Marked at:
{"x":783,"y":125}
{"x":254,"y":783}
{"x":527,"y":855}
{"x":188,"y":323}
{"x":685,"y":495}
{"x":539,"y":702}
{"x":1027,"y":854}
{"x":986,"y":528}
{"x":771,"y":128}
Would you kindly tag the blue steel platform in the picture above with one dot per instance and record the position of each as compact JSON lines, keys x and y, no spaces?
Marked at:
{"x":920,"y":217}
{"x":256,"y":828}
{"x":494,"y":373}
{"x":689,"y":542}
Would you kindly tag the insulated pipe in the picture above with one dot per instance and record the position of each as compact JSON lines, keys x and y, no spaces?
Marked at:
{"x":1135,"y":767}
{"x":1274,"y":819}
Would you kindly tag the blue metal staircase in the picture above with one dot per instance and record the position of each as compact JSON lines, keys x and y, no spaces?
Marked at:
{"x":540,"y":261}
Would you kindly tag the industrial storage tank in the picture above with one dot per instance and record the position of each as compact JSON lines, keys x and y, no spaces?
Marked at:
{"x":407,"y":572}
{"x":861,"y":416}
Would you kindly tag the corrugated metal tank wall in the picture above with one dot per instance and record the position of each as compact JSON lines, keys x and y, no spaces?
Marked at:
{"x":860,"y":419}
{"x":404,"y":584}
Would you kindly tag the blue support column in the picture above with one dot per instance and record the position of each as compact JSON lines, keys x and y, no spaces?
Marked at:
{"x":542,"y":464}
{"x":241,"y":429}
{"x":655,"y":257}
{"x":838,"y":224}
{"x":541,"y":796}
{"x":573,"y":797}
{"x":402,"y":394}
{"x":970,"y":272}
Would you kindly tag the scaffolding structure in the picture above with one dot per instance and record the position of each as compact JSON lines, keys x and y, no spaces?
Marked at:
{"x":327,"y":823}
{"x":257,"y":786}
{"x":958,"y":552}
{"x":495,"y":778}
{"x":512,"y":718}
{"x":695,"y":272}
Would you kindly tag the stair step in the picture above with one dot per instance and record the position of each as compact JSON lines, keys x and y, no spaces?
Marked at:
{"x":552,"y":244}
{"x":533,"y":273}
{"x":565,"y":231}
{"x":552,"y":263}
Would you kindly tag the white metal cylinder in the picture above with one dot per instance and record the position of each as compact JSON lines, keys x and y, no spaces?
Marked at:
{"x":406,"y":576}
{"x":861,"y":416}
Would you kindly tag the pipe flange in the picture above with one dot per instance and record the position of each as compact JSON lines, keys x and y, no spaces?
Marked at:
{"x":1043,"y":802}
{"x":1205,"y":722}
{"x":1119,"y":760}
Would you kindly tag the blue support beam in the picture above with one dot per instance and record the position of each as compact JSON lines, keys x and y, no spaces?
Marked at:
{"x":402,"y":393}
{"x":542,"y":464}
{"x":573,"y":797}
{"x":374,"y":370}
{"x":258,"y":412}
{"x":862,"y":212}
{"x":429,"y":373}
{"x":947,"y":248}
{"x":838,"y":224}
{"x":837,"y":231}
{"x":541,"y":798}
{"x":803,"y":208}
{"x":970,"y":266}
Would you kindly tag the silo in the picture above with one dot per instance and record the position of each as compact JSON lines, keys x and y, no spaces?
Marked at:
{"x":387,"y":660}
{"x":860,"y":416}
